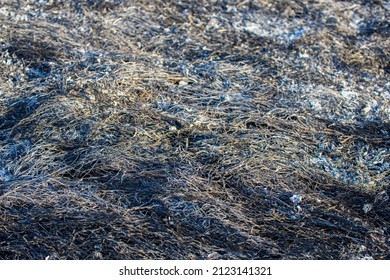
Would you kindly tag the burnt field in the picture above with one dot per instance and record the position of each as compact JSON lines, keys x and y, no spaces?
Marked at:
{"x":186,"y":129}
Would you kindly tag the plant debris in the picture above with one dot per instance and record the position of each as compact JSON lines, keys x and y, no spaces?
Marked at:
{"x":194,"y":129}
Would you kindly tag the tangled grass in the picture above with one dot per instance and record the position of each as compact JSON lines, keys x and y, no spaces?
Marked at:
{"x":194,"y":129}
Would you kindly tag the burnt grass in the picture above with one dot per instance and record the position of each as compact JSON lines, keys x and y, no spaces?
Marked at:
{"x":194,"y":129}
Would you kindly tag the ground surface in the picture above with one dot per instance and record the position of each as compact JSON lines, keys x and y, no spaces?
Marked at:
{"x":194,"y":129}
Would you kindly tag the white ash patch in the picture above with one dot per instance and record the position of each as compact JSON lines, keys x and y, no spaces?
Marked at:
{"x":274,"y":30}
{"x":349,"y":94}
{"x":316,"y":105}
{"x":5,"y":176}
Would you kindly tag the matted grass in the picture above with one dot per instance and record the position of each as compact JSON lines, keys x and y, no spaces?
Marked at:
{"x":194,"y":129}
